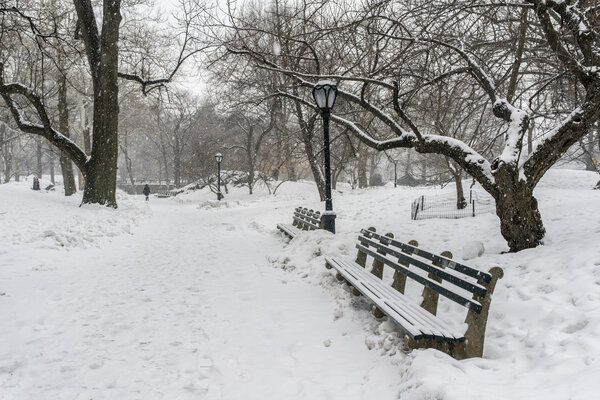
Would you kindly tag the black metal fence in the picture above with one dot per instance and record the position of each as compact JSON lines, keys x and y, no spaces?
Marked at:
{"x":445,"y":206}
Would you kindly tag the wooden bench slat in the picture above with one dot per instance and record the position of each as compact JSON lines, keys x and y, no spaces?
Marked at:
{"x":414,"y":321}
{"x":303,"y":219}
{"x":417,"y":312}
{"x":462,"y":300}
{"x":309,"y":218}
{"x":425,"y":318}
{"x":306,"y":222}
{"x":289,"y":230}
{"x":349,"y":275}
{"x":445,"y":262}
{"x":455,"y":280}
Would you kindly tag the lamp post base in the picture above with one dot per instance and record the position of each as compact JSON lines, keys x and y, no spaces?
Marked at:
{"x":328,"y":218}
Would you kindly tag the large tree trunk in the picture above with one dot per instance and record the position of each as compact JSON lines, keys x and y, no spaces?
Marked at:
{"x":520,"y":220}
{"x":66,"y":165}
{"x":103,"y":55}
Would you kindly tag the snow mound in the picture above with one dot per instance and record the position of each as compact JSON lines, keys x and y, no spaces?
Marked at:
{"x":51,"y":220}
{"x":472,"y":249}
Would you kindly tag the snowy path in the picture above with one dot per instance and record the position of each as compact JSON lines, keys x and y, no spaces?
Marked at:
{"x":186,"y":308}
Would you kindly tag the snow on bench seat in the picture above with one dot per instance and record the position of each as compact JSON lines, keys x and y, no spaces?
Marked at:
{"x":412,"y":319}
{"x":303,"y":219}
{"x":289,"y":230}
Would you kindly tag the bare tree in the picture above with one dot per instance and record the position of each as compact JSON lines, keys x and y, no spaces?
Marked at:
{"x":467,"y":35}
{"x":100,"y":46}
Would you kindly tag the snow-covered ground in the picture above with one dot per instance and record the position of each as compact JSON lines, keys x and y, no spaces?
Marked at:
{"x":190,"y":298}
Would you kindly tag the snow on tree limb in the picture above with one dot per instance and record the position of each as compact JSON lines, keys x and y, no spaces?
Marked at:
{"x":473,"y":162}
{"x":578,"y":24}
{"x":555,"y":39}
{"x":519,"y":122}
{"x":554,"y":143}
{"x":45,"y":129}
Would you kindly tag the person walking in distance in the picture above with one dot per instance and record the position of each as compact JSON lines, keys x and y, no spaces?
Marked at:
{"x":146,"y":191}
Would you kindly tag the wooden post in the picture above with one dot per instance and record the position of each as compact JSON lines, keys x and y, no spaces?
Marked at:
{"x":399,"y":278}
{"x":475,"y":334}
{"x":430,"y":297}
{"x":377,"y":270}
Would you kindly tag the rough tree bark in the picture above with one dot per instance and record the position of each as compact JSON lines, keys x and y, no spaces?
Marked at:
{"x":103,"y":57}
{"x":66,"y":165}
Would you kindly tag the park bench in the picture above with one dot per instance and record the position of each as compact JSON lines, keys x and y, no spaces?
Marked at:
{"x":303,"y":219}
{"x":167,"y":193}
{"x":438,"y":275}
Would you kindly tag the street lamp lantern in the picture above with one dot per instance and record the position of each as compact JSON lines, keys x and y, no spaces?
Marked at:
{"x":324,"y":94}
{"x":219,"y":158}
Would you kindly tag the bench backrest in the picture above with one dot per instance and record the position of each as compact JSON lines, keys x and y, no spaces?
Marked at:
{"x":307,"y":219}
{"x":458,"y":282}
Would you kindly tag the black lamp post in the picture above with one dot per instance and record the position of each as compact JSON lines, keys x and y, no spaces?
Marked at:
{"x":395,"y":173}
{"x":219,"y":158}
{"x":324,"y":94}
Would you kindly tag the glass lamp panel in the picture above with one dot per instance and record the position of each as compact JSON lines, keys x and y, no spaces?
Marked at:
{"x":320,"y":97}
{"x":331,"y":95}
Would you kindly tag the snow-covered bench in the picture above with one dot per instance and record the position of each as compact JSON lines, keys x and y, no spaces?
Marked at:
{"x":438,"y":274}
{"x":304,"y":219}
{"x":168,"y":193}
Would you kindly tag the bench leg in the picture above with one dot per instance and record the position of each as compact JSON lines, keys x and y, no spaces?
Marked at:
{"x":453,"y":349}
{"x":477,"y":323}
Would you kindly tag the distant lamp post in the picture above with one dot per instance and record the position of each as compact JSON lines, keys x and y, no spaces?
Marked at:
{"x":395,"y":173}
{"x":324,"y":94}
{"x":219,"y":158}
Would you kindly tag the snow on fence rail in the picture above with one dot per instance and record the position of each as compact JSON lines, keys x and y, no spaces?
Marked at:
{"x":444,"y":206}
